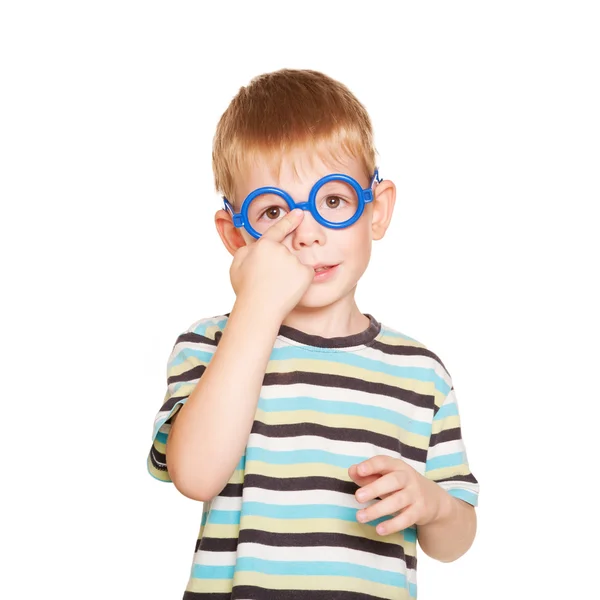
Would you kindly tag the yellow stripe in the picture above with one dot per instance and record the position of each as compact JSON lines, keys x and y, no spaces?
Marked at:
{"x":211,"y":332}
{"x":237,"y":477}
{"x":222,"y":586}
{"x":399,"y":341}
{"x":349,"y":421}
{"x":444,"y":472}
{"x":445,"y":423}
{"x":162,"y":475}
{"x":301,"y":470}
{"x":320,"y":582}
{"x":321,"y":365}
{"x":221,"y":531}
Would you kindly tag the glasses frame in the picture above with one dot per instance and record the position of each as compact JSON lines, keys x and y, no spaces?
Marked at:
{"x":364,"y":197}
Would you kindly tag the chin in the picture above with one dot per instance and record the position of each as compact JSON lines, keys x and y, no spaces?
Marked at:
{"x":318,"y":296}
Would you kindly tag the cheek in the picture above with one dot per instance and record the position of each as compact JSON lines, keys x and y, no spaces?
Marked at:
{"x":357,"y":245}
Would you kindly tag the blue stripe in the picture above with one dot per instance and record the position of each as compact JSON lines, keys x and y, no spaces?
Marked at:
{"x":412,"y":589}
{"x":447,"y":410}
{"x":332,"y":407}
{"x":466,"y":495}
{"x":212,"y":572}
{"x":396,"y":334}
{"x":410,"y":534}
{"x":298,"y":457}
{"x":352,"y":359}
{"x":206,"y":323}
{"x":306,"y":511}
{"x":161,"y":437}
{"x":319,"y":568}
{"x":448,"y":460}
{"x":185,"y":353}
{"x":224,"y":517}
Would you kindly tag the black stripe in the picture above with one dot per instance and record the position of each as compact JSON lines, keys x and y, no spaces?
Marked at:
{"x":158,"y":459}
{"x":446,"y":435}
{"x":304,"y":540}
{"x":196,"y":338}
{"x":194,"y":373}
{"x":206,"y":596}
{"x":353,"y":383}
{"x":232,"y":490}
{"x":343,"y":434}
{"x":469,"y":478}
{"x":251,"y":592}
{"x":217,"y":544}
{"x":169,"y":404}
{"x":407,"y":351}
{"x":294,"y":484}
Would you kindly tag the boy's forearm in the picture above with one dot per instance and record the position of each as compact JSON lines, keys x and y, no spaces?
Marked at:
{"x":451,"y":534}
{"x":210,"y":431}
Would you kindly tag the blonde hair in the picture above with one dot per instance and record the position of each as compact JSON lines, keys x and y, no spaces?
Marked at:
{"x":286,"y":111}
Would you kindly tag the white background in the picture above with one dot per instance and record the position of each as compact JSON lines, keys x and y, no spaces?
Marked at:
{"x":486,"y":117}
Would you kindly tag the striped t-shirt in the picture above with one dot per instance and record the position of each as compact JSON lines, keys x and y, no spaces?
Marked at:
{"x":284,"y":527}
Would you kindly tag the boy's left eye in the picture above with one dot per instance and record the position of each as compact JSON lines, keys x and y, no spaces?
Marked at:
{"x":333,"y":201}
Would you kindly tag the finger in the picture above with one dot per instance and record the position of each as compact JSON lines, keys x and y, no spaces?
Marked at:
{"x":407,"y":518}
{"x":389,"y":506}
{"x":382,"y":486}
{"x":285,"y":226}
{"x":361,"y":481}
{"x":381,"y":464}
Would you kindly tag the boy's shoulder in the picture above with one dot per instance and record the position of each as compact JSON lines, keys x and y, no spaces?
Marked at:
{"x":393,"y":341}
{"x":207,"y":329}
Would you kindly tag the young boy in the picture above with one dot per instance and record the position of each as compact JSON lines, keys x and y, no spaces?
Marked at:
{"x":322,"y":443}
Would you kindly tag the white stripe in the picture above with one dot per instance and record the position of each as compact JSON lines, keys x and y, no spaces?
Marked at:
{"x":450,"y":447}
{"x":201,"y":346}
{"x":314,"y":442}
{"x":320,"y":554}
{"x":291,"y":498}
{"x":396,"y":360}
{"x":215,"y":559}
{"x":226,"y":503}
{"x":336,"y":394}
{"x":462,"y":485}
{"x":311,"y":442}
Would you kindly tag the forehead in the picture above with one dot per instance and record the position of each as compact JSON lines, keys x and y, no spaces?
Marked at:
{"x":296,"y":171}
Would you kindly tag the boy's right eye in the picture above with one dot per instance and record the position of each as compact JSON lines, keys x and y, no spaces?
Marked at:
{"x":273,"y":212}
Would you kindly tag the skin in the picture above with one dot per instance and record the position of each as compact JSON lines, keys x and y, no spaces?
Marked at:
{"x":273,"y":281}
{"x":329,"y":308}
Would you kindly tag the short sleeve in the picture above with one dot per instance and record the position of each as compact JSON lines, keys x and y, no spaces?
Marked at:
{"x":447,"y":462}
{"x":187,"y":362}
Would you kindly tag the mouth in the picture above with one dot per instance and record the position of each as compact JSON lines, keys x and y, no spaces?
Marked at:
{"x":323,"y":268}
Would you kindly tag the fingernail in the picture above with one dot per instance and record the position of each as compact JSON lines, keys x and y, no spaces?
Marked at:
{"x":360,"y":495}
{"x":360,"y":515}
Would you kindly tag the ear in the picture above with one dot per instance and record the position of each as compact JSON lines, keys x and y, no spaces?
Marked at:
{"x":384,"y":199}
{"x":230,"y":235}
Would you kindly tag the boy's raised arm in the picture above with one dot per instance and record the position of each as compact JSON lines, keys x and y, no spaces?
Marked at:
{"x":209,"y":434}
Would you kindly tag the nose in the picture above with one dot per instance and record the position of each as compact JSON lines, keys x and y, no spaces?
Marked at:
{"x":309,"y":232}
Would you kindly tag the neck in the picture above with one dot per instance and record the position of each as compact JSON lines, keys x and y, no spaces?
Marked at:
{"x":340,"y":319}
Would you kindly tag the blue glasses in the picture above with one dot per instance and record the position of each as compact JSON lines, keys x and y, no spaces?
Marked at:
{"x":336,"y":201}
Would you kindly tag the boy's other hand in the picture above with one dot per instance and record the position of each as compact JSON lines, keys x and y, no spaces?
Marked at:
{"x":266,"y":275}
{"x":402,"y":492}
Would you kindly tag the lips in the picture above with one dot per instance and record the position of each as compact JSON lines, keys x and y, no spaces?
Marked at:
{"x":321,"y":268}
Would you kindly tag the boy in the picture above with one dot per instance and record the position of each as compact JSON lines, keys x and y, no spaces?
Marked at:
{"x":322,"y":443}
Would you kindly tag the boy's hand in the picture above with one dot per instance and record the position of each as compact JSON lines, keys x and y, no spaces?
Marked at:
{"x":401,"y":488}
{"x":267,"y":275}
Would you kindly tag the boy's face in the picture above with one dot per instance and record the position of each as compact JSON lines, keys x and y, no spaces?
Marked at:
{"x":347,"y":251}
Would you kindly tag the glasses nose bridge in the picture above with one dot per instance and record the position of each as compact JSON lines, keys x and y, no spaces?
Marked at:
{"x":303,"y":205}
